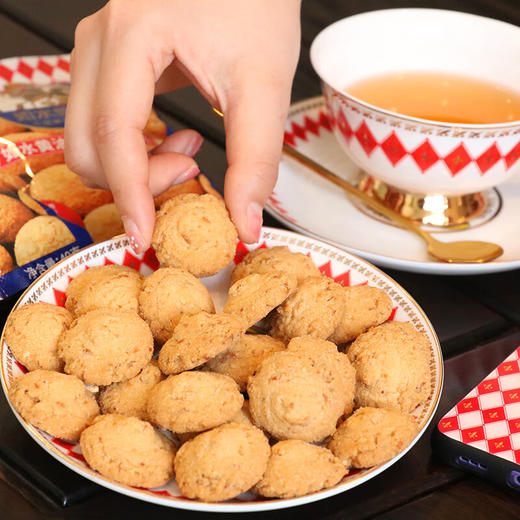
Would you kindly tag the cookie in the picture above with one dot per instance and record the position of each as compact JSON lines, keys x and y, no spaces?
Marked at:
{"x":243,"y":357}
{"x":197,"y":338}
{"x":129,"y":451}
{"x":278,"y":258}
{"x":11,"y":182}
{"x":6,"y":262}
{"x":190,"y":186}
{"x":364,"y":307}
{"x":372,"y":436}
{"x":194,"y":232}
{"x":104,"y":223}
{"x":296,"y":468}
{"x":56,"y":403}
{"x":167,"y":295}
{"x":392,"y":367}
{"x":222,"y":463}
{"x":105,"y":346}
{"x":32,"y":333}
{"x":256,"y":295}
{"x":39,"y":237}
{"x":13,"y":215}
{"x":193,"y":401}
{"x":155,"y":126}
{"x":115,"y":287}
{"x":314,"y":309}
{"x":59,"y":184}
{"x":290,"y":399}
{"x":130,"y":397}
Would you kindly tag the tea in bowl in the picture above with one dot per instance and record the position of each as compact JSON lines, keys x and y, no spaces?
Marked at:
{"x":427,"y":103}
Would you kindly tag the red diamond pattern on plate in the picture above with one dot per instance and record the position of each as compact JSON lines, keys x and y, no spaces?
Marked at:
{"x":493,"y":414}
{"x":458,"y":159}
{"x":511,"y":367}
{"x":324,"y":121}
{"x":25,"y":69}
{"x":343,"y":126}
{"x":489,"y":158}
{"x":311,"y":126}
{"x":473,"y":434}
{"x":488,"y":385}
{"x":499,"y":444}
{"x":513,"y":156}
{"x":514,"y":425}
{"x":470,"y":404}
{"x":44,"y":67}
{"x":365,"y":138}
{"x":5,"y":73}
{"x":59,"y":297}
{"x":393,"y":148}
{"x":447,"y":424}
{"x":63,"y":65}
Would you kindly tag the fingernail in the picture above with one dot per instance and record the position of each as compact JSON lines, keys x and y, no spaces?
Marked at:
{"x":134,"y":235}
{"x":254,"y":220}
{"x":191,"y":172}
{"x":194,"y":146}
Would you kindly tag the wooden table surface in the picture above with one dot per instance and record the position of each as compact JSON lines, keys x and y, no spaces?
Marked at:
{"x":477,"y":318}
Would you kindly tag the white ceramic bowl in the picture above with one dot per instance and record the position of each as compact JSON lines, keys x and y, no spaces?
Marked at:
{"x":417,"y":155}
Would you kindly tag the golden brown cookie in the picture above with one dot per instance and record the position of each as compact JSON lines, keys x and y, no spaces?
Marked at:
{"x":392,"y":366}
{"x":155,"y":126}
{"x":11,"y":182}
{"x":197,"y":338}
{"x":364,"y":307}
{"x":296,"y":468}
{"x":167,"y":295}
{"x":314,"y":309}
{"x":222,"y":463}
{"x":13,"y":215}
{"x":333,"y":366}
{"x":194,"y":232}
{"x":290,"y":399}
{"x":128,"y":450}
{"x":39,"y":237}
{"x":6,"y":262}
{"x":115,"y":287}
{"x":32,"y":333}
{"x":256,"y":295}
{"x":243,"y":357}
{"x":191,"y":186}
{"x":371,"y":436}
{"x":130,"y":397}
{"x":56,"y":403}
{"x":278,"y":258}
{"x":59,"y":184}
{"x":193,"y":401}
{"x":105,"y":346}
{"x":104,"y":223}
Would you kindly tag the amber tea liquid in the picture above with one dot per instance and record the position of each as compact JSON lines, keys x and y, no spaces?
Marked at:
{"x":440,"y":97}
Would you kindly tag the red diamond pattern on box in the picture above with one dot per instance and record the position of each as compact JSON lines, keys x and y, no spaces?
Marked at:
{"x":458,"y":159}
{"x":489,"y":417}
{"x":393,"y":148}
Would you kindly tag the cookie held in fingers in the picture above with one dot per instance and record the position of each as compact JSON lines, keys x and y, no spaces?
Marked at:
{"x":128,"y":450}
{"x":197,"y":338}
{"x":256,"y":295}
{"x":58,"y":404}
{"x":221,"y":463}
{"x":194,"y":232}
{"x":296,"y":468}
{"x":193,"y":401}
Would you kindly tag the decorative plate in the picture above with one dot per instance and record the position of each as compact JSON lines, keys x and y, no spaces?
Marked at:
{"x":333,"y":262}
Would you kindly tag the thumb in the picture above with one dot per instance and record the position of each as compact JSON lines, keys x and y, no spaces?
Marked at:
{"x":254,"y":122}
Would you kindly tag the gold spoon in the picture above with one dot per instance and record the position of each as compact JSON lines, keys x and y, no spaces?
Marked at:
{"x":460,"y":251}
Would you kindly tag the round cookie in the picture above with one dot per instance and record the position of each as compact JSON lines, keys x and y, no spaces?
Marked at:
{"x":104,"y":223}
{"x":193,"y":401}
{"x":128,"y":450}
{"x":244,"y":356}
{"x":222,"y":463}
{"x":194,"y":232}
{"x":278,"y":258}
{"x":333,"y":366}
{"x":130,"y":397}
{"x":59,"y":184}
{"x":115,"y":287}
{"x":56,"y":403}
{"x":289,"y":398}
{"x":189,"y":186}
{"x":39,"y":237}
{"x":168,"y":294}
{"x":364,"y":307}
{"x":314,"y":309}
{"x":372,"y":436}
{"x":296,"y":468}
{"x":392,"y":367}
{"x":13,"y":215}
{"x":6,"y":262}
{"x":197,"y":338}
{"x":32,"y":333}
{"x":256,"y":295}
{"x":105,"y":346}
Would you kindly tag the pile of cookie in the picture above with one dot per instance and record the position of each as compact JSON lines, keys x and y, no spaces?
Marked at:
{"x":328,"y":386}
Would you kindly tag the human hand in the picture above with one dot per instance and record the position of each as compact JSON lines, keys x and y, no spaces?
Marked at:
{"x":240,"y":55}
